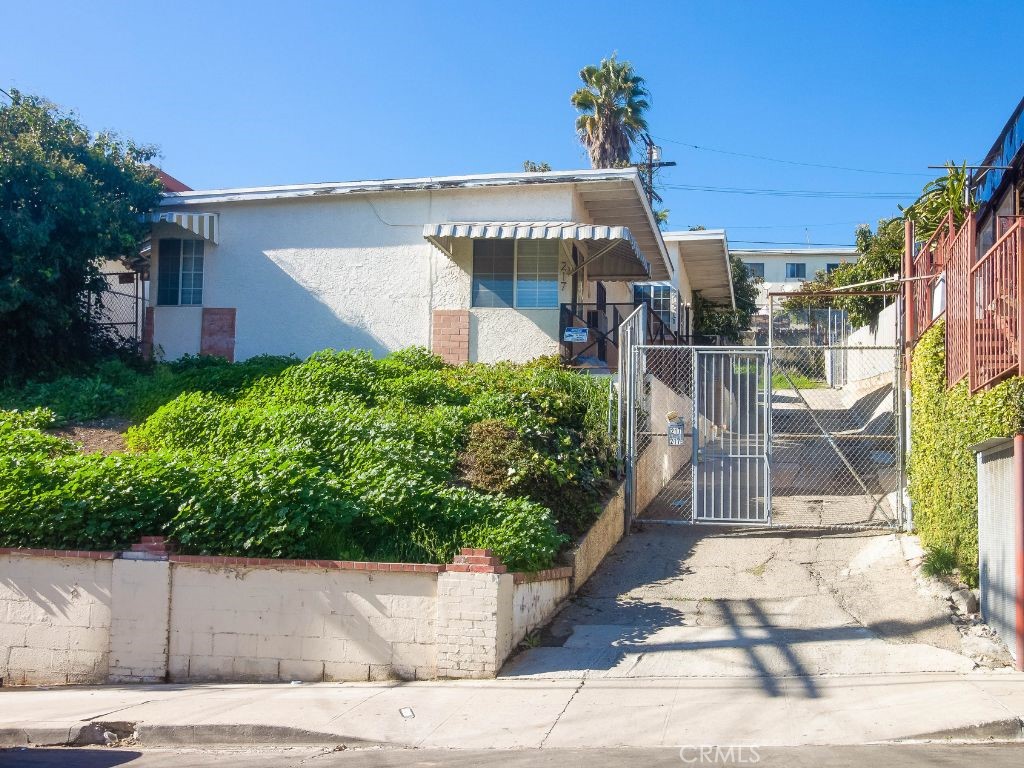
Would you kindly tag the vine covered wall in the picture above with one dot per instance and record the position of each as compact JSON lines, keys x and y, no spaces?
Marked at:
{"x":944,"y":424}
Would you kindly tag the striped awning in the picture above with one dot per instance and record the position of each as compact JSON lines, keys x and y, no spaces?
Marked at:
{"x":205,"y":225}
{"x":610,"y":253}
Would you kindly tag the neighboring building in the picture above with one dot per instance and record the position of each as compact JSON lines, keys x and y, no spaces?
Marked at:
{"x":783,"y":270}
{"x":477,"y":268}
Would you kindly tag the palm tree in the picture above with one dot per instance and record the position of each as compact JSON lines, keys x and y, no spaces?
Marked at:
{"x":612,"y":103}
{"x":940,"y":197}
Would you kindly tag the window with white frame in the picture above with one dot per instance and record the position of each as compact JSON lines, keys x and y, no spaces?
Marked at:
{"x":515,"y":273}
{"x":179,"y":278}
{"x":755,"y":269}
{"x":661,"y":299}
{"x":796,"y":270}
{"x":830,"y":268}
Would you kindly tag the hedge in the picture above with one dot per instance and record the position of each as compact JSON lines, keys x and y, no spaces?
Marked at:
{"x":944,"y":424}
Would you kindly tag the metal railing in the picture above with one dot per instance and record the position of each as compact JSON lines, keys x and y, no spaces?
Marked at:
{"x":995,"y":305}
{"x":604,"y":324}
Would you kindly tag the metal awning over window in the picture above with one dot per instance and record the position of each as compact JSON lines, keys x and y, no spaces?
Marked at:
{"x":205,"y":225}
{"x":609,"y":253}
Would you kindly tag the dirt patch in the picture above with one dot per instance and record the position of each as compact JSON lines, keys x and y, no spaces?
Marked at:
{"x":100,"y":436}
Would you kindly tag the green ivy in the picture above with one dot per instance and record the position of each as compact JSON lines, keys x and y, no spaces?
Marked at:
{"x":340,"y":456}
{"x":945,"y":423}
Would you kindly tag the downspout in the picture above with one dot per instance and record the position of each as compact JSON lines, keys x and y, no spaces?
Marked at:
{"x":1018,"y":510}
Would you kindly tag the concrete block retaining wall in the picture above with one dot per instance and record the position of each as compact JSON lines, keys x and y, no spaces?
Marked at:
{"x":150,"y":615}
{"x":55,"y":617}
{"x":603,"y":535}
{"x":99,"y":617}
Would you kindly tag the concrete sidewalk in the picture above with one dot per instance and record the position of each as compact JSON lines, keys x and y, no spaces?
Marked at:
{"x":510,"y":714}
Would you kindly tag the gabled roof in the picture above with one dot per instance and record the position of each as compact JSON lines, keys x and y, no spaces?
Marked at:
{"x":612,"y":197}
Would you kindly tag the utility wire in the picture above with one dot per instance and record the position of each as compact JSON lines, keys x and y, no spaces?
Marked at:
{"x":789,"y":226}
{"x":792,"y":242}
{"x":829,"y":194}
{"x":790,"y":162}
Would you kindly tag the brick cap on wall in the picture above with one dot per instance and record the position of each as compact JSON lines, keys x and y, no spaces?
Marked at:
{"x":469,"y":560}
{"x":85,"y":554}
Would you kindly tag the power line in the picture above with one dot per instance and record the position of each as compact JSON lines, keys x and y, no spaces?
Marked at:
{"x":829,"y":194}
{"x":790,"y":226}
{"x":793,"y":242}
{"x":790,"y":162}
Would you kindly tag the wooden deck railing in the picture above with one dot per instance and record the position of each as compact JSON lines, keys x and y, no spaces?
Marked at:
{"x":983,"y":308}
{"x":929,"y":263}
{"x":995,"y":309}
{"x":958,"y":305}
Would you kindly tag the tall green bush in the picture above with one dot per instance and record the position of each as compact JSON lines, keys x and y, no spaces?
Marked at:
{"x":340,"y":456}
{"x":945,"y":423}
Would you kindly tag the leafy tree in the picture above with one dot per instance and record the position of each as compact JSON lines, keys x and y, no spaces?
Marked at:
{"x":612,"y":103}
{"x":939,"y":197}
{"x":712,"y":319}
{"x":68,"y":199}
{"x":531,"y":167}
{"x":881,"y":253}
{"x":661,"y":216}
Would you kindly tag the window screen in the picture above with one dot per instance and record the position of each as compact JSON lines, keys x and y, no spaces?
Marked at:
{"x":755,"y":269}
{"x":168,"y":276}
{"x":180,"y":272}
{"x":192,"y":272}
{"x":537,"y":273}
{"x":796,"y":271}
{"x":493,"y":269}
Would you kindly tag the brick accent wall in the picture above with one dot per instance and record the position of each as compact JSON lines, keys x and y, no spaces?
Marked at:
{"x":450,"y":335}
{"x":218,"y":333}
{"x":147,"y":333}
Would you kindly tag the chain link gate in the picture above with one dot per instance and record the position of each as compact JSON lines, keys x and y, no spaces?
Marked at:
{"x":796,"y":436}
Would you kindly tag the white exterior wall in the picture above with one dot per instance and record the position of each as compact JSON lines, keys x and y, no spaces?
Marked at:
{"x":355,"y":272}
{"x":497,"y":334}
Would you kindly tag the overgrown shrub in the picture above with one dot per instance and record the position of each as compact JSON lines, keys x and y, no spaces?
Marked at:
{"x":944,"y":426}
{"x":342,"y":455}
{"x":113,"y":388}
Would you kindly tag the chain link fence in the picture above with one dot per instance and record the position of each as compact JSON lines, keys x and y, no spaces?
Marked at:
{"x":835,"y":452}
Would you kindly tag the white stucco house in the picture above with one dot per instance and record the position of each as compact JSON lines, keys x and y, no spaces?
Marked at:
{"x":477,"y":268}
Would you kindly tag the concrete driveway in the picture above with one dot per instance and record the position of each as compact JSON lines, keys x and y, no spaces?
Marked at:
{"x":778,"y":608}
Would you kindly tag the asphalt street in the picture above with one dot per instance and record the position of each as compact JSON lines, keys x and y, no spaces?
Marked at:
{"x":889,"y":756}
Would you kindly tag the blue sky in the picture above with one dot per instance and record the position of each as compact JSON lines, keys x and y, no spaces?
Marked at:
{"x":251,"y":93}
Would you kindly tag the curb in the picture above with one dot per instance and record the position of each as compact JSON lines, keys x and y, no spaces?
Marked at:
{"x":237,"y":734}
{"x":92,"y":734}
{"x":1004,"y":729}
